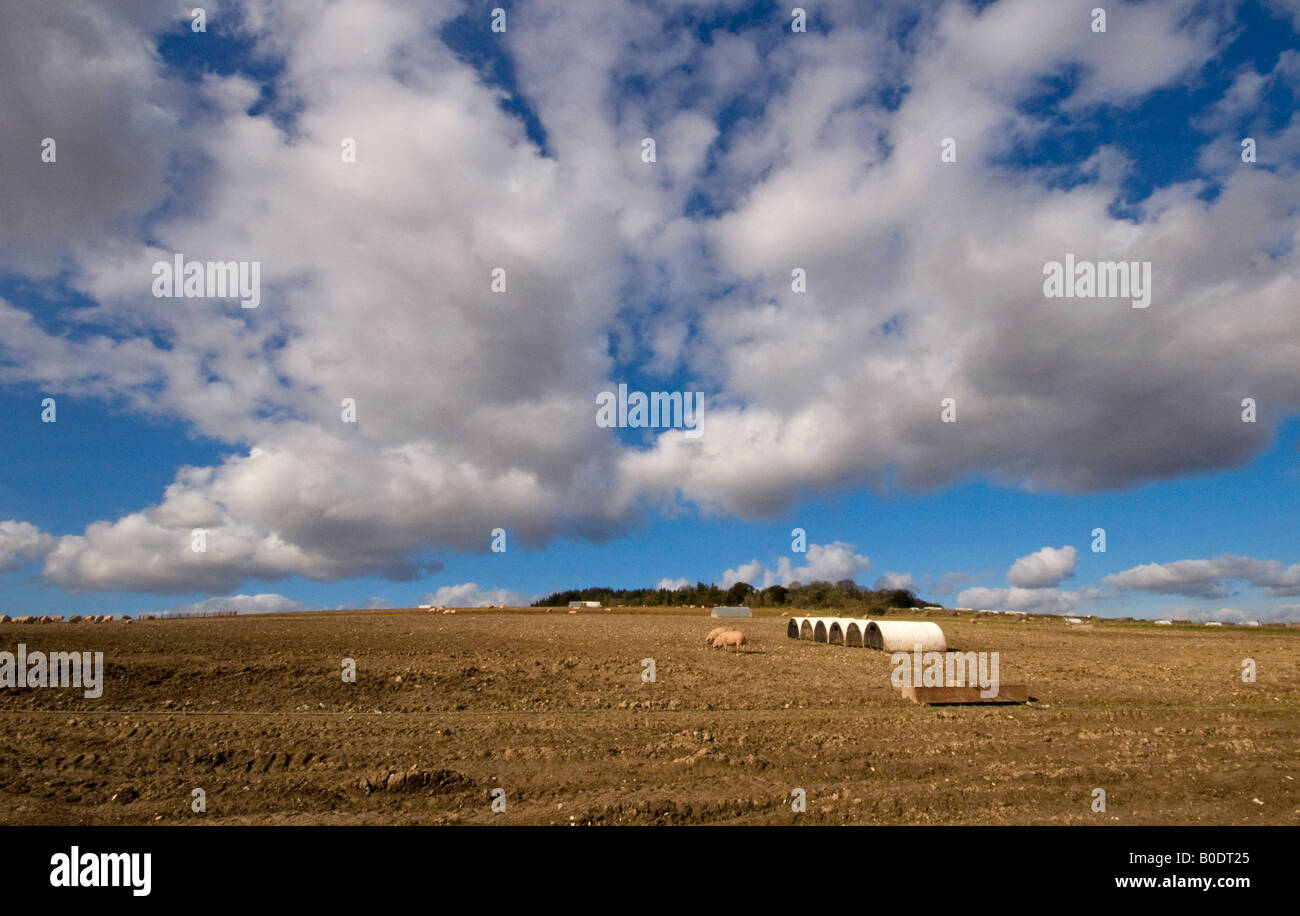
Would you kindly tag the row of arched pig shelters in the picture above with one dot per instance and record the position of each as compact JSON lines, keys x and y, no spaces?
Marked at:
{"x":887,"y":635}
{"x":914,"y":636}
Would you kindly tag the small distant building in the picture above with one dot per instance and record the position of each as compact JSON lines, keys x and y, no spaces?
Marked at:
{"x":731,"y":612}
{"x":1164,"y":623}
{"x":584,"y":604}
{"x":1251,"y":623}
{"x":1214,"y":623}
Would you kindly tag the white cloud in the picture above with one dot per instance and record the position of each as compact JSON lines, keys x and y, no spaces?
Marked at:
{"x":892,"y":580}
{"x":827,"y":562}
{"x":89,"y":78}
{"x":889,"y":309}
{"x":1044,"y":568}
{"x":483,"y":413}
{"x":1282,"y":613}
{"x":476,"y":410}
{"x":470,"y":594}
{"x":945,"y":584}
{"x":1287,"y":8}
{"x":1038,"y":600}
{"x":673,"y":585}
{"x":753,"y":572}
{"x":1209,"y":578}
{"x":21,"y":542}
{"x":241,"y":604}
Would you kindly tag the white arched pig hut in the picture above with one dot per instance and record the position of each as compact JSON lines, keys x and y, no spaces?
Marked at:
{"x":806,"y":628}
{"x":822,"y":628}
{"x":905,"y":635}
{"x":847,"y":631}
{"x":836,"y":624}
{"x":794,"y":629}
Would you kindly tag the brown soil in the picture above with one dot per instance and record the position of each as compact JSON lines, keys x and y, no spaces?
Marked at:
{"x":552,"y":708}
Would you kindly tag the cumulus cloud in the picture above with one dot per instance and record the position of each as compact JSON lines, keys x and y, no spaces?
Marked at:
{"x":88,"y":78}
{"x":673,"y":585}
{"x":1037,"y":600}
{"x":21,"y":542}
{"x":1210,"y":578}
{"x":266,"y":603}
{"x":888,"y":307}
{"x":827,"y":562}
{"x":892,"y":580}
{"x":1044,"y":568}
{"x":431,"y":462}
{"x":1287,"y":8}
{"x":469,"y":594}
{"x":476,"y":410}
{"x":945,"y":584}
{"x":753,"y":572}
{"x":1282,"y":613}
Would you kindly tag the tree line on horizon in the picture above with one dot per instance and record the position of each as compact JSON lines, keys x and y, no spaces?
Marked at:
{"x":818,"y":594}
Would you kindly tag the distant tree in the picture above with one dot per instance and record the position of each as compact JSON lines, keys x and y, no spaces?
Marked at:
{"x":842,"y":595}
{"x":738,"y":593}
{"x":901,"y":597}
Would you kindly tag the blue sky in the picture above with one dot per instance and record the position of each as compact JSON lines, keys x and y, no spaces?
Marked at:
{"x":775,"y":150}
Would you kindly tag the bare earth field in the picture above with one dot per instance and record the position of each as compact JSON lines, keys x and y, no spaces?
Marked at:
{"x":551,"y":707}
